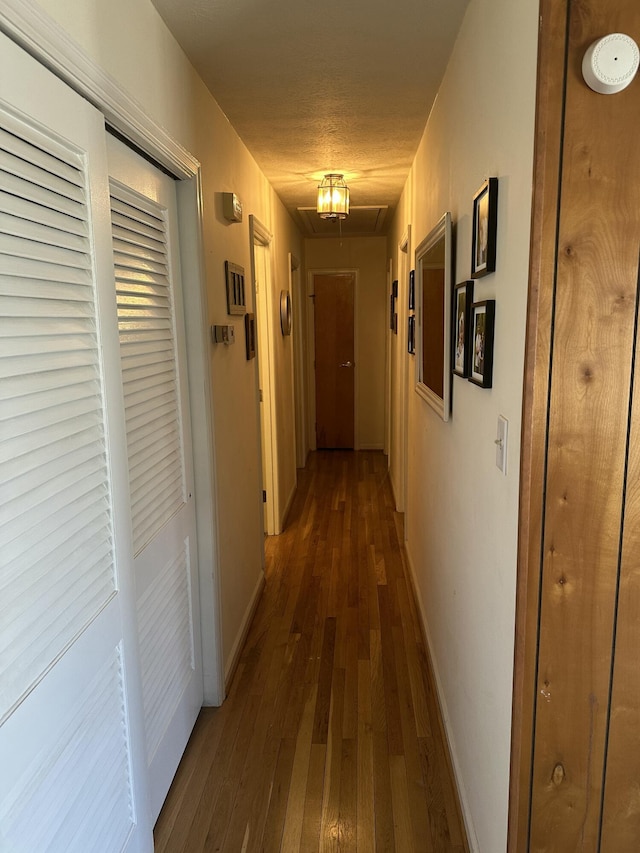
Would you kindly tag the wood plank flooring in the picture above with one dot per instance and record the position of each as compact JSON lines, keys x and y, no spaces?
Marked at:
{"x":330,"y":738}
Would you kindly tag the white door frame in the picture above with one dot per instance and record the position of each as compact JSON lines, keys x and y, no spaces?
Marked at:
{"x":259,"y":235}
{"x":31,"y":27}
{"x":404,"y":265}
{"x":388,"y":372}
{"x":299,"y":379}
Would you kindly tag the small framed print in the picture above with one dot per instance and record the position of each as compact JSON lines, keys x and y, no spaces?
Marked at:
{"x":411,"y":335}
{"x":460,"y":334}
{"x":485,"y":226}
{"x":482,"y":327}
{"x":234,"y":276}
{"x":412,"y":290}
{"x":394,"y":288}
{"x":250,"y":335}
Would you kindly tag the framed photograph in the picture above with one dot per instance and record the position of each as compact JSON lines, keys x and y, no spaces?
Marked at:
{"x":411,"y":335}
{"x":460,"y":334}
{"x":394,"y":288}
{"x":412,"y":290}
{"x":482,"y":326}
{"x":250,"y":335}
{"x":392,"y":312}
{"x":485,"y":225}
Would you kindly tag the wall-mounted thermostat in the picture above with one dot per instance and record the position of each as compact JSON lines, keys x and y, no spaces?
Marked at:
{"x":231,"y":207}
{"x":611,"y":63}
{"x":223,"y":335}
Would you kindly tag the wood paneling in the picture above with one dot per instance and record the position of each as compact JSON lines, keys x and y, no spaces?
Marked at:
{"x":569,"y":738}
{"x":326,"y":741}
{"x":549,"y":117}
{"x":621,"y":807}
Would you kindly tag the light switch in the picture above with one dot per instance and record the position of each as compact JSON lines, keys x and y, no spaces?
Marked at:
{"x":501,"y":443}
{"x":223,"y":335}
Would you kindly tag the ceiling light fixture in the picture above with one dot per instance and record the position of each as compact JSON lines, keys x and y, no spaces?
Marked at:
{"x":333,"y":197}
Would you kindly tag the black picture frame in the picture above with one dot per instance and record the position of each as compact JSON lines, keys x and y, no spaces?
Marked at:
{"x":483,"y":316}
{"x":394,"y":288}
{"x":411,"y":334}
{"x":393,"y":320}
{"x":250,"y":335}
{"x":461,"y":330}
{"x":485,"y":227}
{"x":412,"y":290}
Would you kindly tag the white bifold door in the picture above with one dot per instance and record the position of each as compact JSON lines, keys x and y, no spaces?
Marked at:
{"x":152,"y":349}
{"x":72,"y":757}
{"x":100,"y":673}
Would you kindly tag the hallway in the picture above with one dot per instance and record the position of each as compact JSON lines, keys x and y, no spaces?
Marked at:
{"x":329,"y":738}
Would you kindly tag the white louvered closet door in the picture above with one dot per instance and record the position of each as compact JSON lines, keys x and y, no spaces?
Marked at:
{"x":72,"y":756}
{"x":154,"y":377}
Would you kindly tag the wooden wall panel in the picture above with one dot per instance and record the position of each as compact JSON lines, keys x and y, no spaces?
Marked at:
{"x":548,"y":146}
{"x":590,"y":362}
{"x":621,"y":809}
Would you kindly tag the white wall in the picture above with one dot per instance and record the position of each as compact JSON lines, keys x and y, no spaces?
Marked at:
{"x":462,"y":512}
{"x":367,"y":255}
{"x":129,"y":41}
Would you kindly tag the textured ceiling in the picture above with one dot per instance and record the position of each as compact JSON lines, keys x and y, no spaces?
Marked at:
{"x":314,"y":87}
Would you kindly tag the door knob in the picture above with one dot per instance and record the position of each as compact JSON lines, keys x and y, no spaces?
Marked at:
{"x":347,"y":364}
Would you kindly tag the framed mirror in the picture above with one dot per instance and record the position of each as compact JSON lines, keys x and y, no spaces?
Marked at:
{"x":433,"y":317}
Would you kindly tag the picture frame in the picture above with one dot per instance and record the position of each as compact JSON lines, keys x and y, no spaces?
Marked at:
{"x":461,"y":331}
{"x":482,"y":334}
{"x":412,"y":290}
{"x":411,"y":334}
{"x":234,"y":277}
{"x":485,"y":226}
{"x":393,"y":321}
{"x":394,"y":288}
{"x":285,"y":312}
{"x":434,"y":302}
{"x":250,"y":335}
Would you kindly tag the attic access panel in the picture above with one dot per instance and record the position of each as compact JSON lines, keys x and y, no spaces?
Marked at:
{"x":363,"y":221}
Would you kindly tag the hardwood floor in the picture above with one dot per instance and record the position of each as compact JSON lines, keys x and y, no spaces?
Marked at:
{"x":330,"y":737}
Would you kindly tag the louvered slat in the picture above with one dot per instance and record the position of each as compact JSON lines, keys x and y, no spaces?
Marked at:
{"x":22,"y":208}
{"x":148,"y":355}
{"x":54,"y":481}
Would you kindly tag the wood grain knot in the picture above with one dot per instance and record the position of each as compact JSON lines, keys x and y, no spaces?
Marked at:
{"x":587,"y":373}
{"x":557,"y":777}
{"x":562,"y":580}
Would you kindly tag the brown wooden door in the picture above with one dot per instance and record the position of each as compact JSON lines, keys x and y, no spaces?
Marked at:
{"x":335,"y":359}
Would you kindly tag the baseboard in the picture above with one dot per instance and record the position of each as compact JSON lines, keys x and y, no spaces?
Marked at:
{"x":444,"y":718}
{"x":234,"y":657}
{"x":287,"y":509}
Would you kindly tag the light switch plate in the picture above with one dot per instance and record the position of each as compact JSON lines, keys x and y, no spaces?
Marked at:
{"x":223,"y":335}
{"x":501,"y":443}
